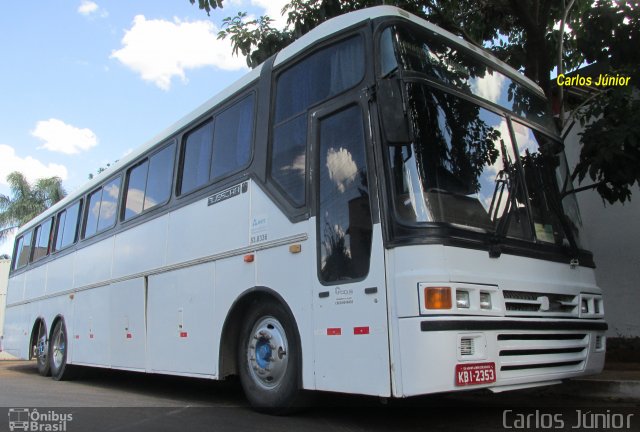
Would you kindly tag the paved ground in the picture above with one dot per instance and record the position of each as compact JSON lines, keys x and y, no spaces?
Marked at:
{"x":105,"y":400}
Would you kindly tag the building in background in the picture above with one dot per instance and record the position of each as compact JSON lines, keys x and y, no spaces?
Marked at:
{"x":4,"y":275}
{"x":610,"y":231}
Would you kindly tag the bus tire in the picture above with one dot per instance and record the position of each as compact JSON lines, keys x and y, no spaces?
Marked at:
{"x":269,"y":359}
{"x":42,"y":351}
{"x":58,"y":349}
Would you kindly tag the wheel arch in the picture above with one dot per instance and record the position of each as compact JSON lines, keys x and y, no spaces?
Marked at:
{"x":232,"y":325}
{"x":34,"y":334}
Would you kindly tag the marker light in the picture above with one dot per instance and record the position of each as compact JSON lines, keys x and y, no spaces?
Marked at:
{"x":485,"y":300}
{"x":437,"y":297}
{"x":462,"y":299}
{"x":584,"y":306}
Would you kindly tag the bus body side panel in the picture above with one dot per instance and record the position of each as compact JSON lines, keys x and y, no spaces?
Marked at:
{"x":90,"y":333}
{"x":16,"y":339}
{"x":60,"y":274}
{"x":203,"y":229}
{"x":287,"y":273}
{"x":15,"y":289}
{"x":141,"y":248}
{"x":180,"y":322}
{"x":425,"y":358}
{"x":93,"y":263}
{"x":35,"y":282}
{"x":127,"y":324}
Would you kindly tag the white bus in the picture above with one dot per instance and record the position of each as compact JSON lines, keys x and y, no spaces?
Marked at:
{"x":380,"y":208}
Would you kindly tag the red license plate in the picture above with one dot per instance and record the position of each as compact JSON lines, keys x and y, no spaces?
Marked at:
{"x":475,"y":373}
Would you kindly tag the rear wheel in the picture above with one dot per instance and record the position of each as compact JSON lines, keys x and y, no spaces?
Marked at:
{"x":269,"y":359}
{"x":58,"y":349}
{"x":41,"y":351}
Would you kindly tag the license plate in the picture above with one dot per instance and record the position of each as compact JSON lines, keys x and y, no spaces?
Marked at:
{"x":475,"y":373}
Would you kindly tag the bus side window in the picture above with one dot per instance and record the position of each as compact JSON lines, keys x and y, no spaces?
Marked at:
{"x":23,"y":250}
{"x":196,"y":158}
{"x":232,"y":138}
{"x":67,"y":226}
{"x":41,"y":240}
{"x":102,"y":208}
{"x":149,"y":182}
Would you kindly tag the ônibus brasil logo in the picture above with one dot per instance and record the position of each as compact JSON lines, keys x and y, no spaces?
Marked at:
{"x":32,"y":420}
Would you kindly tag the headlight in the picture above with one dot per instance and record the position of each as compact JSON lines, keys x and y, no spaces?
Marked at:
{"x":462,"y":299}
{"x":485,"y":300}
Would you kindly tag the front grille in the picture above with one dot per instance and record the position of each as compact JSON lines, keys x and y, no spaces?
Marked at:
{"x":523,"y":303}
{"x":527,"y":354}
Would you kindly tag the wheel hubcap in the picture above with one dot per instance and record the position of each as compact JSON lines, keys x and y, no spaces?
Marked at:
{"x":59,"y":346}
{"x":267,"y":352}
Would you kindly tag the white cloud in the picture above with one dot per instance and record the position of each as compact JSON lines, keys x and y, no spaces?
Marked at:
{"x":489,"y":86}
{"x":273,"y":8}
{"x":63,"y":138}
{"x":32,"y":168}
{"x":160,"y":50}
{"x":342,"y":168}
{"x":87,"y":7}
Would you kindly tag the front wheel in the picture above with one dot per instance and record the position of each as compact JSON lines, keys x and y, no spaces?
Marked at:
{"x":58,"y":348}
{"x":269,"y":359}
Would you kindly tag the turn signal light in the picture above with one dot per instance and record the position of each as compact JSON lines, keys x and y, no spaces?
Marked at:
{"x":437,"y":297}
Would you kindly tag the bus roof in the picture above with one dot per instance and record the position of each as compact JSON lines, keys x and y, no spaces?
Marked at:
{"x":322,"y":31}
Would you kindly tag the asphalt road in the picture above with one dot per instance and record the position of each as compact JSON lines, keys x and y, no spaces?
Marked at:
{"x":106,"y":400}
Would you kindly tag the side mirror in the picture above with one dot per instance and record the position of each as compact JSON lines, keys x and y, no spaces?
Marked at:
{"x":391,"y":107}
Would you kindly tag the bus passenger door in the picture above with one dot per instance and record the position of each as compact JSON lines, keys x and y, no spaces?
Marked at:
{"x":349,"y":298}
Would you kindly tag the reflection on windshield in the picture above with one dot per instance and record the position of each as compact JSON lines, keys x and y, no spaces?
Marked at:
{"x":450,"y":174}
{"x":464,"y":169}
{"x":545,"y":173}
{"x":427,"y":54}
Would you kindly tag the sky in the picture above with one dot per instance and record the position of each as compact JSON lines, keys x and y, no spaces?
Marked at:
{"x":83,"y":83}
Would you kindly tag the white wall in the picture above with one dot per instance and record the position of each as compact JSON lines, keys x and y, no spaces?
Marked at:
{"x":612,"y":233}
{"x":4,"y":274}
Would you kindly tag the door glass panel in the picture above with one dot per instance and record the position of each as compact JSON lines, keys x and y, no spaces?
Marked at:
{"x":344,"y":216}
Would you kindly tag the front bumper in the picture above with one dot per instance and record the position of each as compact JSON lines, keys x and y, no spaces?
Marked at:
{"x":526,"y":352}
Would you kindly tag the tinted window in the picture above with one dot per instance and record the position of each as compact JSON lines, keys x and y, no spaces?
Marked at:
{"x":136,"y":189}
{"x":16,"y":252}
{"x":197,"y":158}
{"x":344,"y":217}
{"x":149,"y":183}
{"x":93,"y":213}
{"x":232,"y":138}
{"x":67,"y":226}
{"x":24,"y":250}
{"x":325,"y":73}
{"x":109,"y":205}
{"x":158,"y":188}
{"x":289,"y":157}
{"x":41,"y":240}
{"x":102,"y":208}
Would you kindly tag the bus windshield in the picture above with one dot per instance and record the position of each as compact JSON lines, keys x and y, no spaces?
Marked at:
{"x":473,"y":167}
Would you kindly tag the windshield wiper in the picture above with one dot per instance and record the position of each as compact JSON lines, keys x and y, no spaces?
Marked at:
{"x":507,"y":180}
{"x":555,"y":204}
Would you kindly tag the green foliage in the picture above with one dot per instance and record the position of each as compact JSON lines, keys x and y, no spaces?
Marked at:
{"x":610,"y":152}
{"x":207,"y":5}
{"x":27,"y":201}
{"x":254,"y":39}
{"x":610,"y":35}
{"x":524,"y":34}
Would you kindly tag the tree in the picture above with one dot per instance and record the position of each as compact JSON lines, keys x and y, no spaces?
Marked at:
{"x":530,"y":36}
{"x":27,"y":200}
